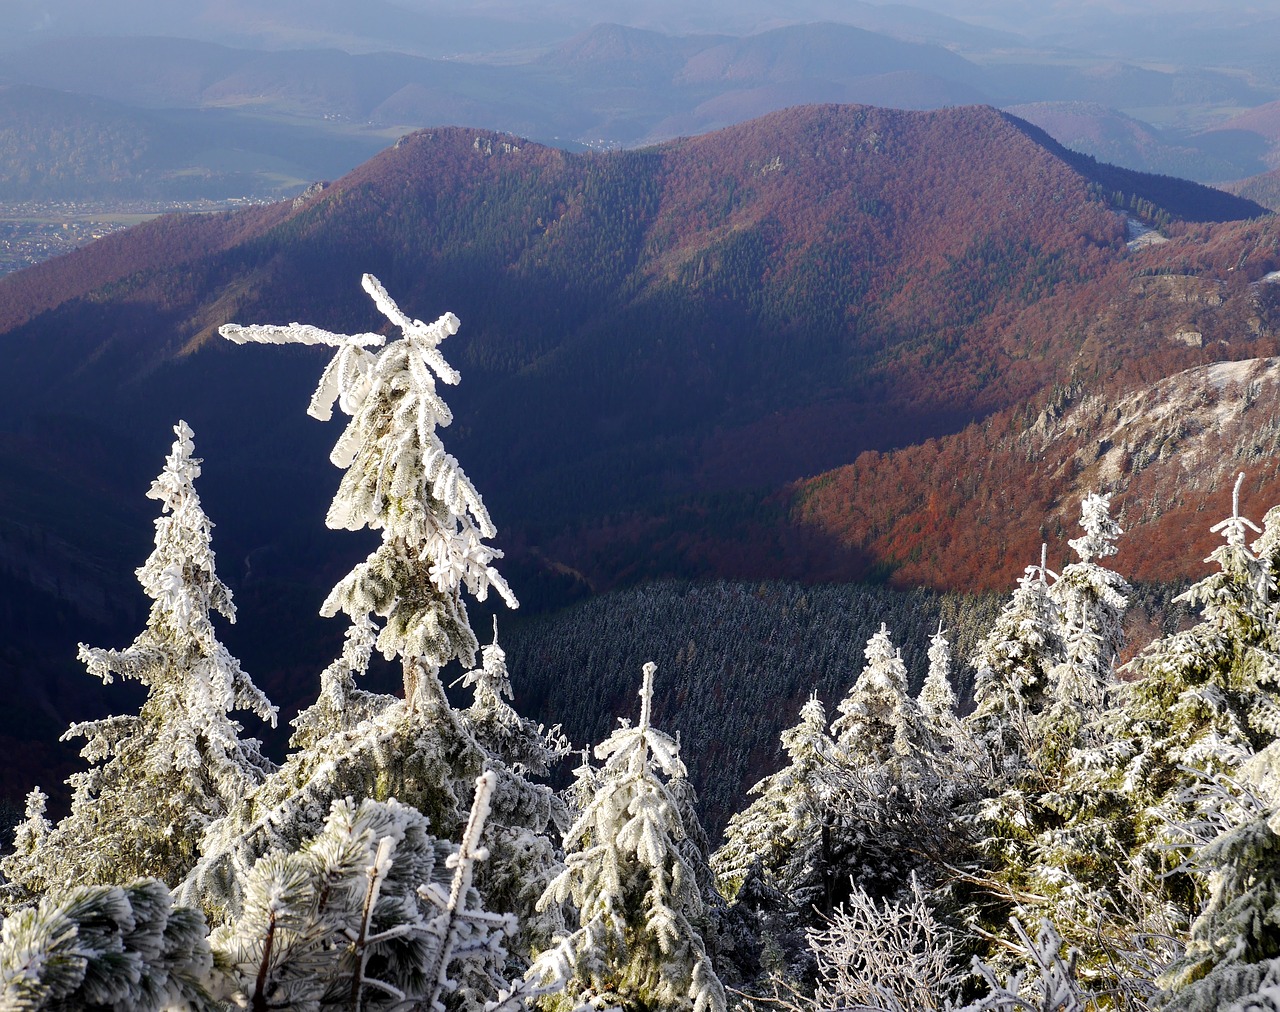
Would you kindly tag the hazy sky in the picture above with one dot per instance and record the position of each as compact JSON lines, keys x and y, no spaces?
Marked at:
{"x":138,"y":15}
{"x":1150,"y":29}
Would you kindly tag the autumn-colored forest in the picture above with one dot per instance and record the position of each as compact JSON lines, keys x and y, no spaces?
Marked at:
{"x":835,"y":343}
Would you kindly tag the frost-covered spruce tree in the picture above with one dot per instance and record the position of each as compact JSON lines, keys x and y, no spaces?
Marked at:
{"x":782,"y":835}
{"x":162,"y":776}
{"x":1213,"y":688}
{"x":937,"y":699}
{"x":629,"y":874}
{"x":1004,"y":738}
{"x":1091,"y":602}
{"x":878,"y":722}
{"x":1013,"y":664}
{"x":341,"y":705}
{"x":1232,"y":957}
{"x":883,"y":777}
{"x":362,"y":917}
{"x":399,"y":480}
{"x":1204,"y":701}
{"x":105,"y":947}
{"x":524,"y":813}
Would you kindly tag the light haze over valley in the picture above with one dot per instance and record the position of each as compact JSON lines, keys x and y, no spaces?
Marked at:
{"x":106,"y":104}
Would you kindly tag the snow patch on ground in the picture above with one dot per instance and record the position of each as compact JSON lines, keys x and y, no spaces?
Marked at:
{"x":1200,"y":420}
{"x":1220,"y":374}
{"x":1141,"y":236}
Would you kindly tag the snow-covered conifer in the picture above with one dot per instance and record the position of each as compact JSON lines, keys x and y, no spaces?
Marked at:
{"x":525,"y":813}
{"x":1219,"y":679}
{"x":1232,"y":957}
{"x":883,"y":781}
{"x":937,"y":699}
{"x":1004,"y":739}
{"x":398,"y":479}
{"x":105,"y":947}
{"x":783,"y":831}
{"x":522,"y":744}
{"x":341,"y":706}
{"x":1091,"y":602}
{"x":362,"y":918}
{"x":1206,"y":697}
{"x":29,"y":835}
{"x":161,"y":777}
{"x":629,"y":875}
{"x":878,"y":721}
{"x":1013,"y":664}
{"x":1204,"y":702}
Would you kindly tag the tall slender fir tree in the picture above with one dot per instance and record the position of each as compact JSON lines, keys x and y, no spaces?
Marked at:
{"x":159,"y":778}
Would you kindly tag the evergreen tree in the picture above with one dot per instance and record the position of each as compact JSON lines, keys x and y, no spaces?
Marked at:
{"x":629,"y":873}
{"x":1232,"y":959}
{"x":161,"y":777}
{"x":1091,"y":602}
{"x":1013,"y":663}
{"x":1206,"y":697}
{"x":878,"y":723}
{"x":340,"y":706}
{"x":1002,"y":813}
{"x":360,"y":917}
{"x":937,"y":699}
{"x":782,"y":836}
{"x":882,"y":781}
{"x":1205,"y":700}
{"x":105,"y":947}
{"x":398,"y":479}
{"x":524,"y":813}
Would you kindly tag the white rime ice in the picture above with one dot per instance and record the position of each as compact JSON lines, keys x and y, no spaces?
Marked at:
{"x":105,"y":947}
{"x":937,"y":699}
{"x":526,"y":814}
{"x":159,"y":778}
{"x":629,"y":874}
{"x":892,"y":956}
{"x":399,"y":479}
{"x":362,"y":918}
{"x":783,"y":832}
{"x":1091,"y":601}
{"x":878,"y":721}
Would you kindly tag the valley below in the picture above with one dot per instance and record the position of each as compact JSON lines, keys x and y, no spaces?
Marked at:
{"x":34,"y":231}
{"x":838,"y":345}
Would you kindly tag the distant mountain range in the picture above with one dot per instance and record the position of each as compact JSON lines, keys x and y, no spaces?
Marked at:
{"x":1244,"y":146}
{"x":55,"y":145}
{"x":658,"y":349}
{"x":187,"y":116}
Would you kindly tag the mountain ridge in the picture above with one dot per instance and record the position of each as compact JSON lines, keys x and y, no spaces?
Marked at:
{"x":657,"y":348}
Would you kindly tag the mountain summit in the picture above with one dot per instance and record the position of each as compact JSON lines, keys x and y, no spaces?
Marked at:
{"x":654,"y":343}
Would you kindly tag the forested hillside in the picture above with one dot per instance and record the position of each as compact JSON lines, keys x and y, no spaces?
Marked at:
{"x":1072,"y":833}
{"x":741,"y":659}
{"x":657,"y":345}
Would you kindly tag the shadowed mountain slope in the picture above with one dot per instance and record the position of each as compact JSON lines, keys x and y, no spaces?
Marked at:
{"x":849,"y":278}
{"x":654,"y":344}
